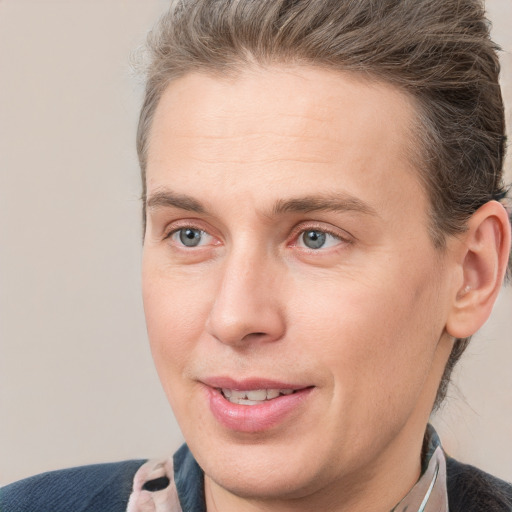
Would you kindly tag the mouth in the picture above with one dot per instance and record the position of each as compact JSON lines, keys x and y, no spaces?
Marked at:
{"x":253,"y":397}
{"x":255,"y":405}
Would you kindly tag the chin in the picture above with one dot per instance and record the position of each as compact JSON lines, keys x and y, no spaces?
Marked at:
{"x":266,"y":483}
{"x":263,"y":470}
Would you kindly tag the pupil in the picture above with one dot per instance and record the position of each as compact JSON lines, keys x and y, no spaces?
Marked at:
{"x":314,"y":239}
{"x":190,"y":237}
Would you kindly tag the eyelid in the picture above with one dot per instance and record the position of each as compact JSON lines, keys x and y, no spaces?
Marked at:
{"x":340,"y":234}
{"x":175,"y":226}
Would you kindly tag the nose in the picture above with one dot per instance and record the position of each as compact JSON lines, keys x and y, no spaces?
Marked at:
{"x":248,"y":306}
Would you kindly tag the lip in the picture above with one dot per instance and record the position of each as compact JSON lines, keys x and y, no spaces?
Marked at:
{"x":249,"y":384}
{"x":254,"y":418}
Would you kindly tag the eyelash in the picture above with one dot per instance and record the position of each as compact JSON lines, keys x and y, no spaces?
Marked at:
{"x":301,"y":230}
{"x":186,"y":225}
{"x":295,"y":235}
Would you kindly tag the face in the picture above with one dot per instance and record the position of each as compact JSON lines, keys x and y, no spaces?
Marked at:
{"x":295,"y":303}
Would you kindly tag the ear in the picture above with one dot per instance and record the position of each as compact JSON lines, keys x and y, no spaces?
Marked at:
{"x":484,"y":252}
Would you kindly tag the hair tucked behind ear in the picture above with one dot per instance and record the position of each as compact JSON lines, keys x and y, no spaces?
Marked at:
{"x":438,"y":51}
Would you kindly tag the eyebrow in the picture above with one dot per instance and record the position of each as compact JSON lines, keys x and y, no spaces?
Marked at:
{"x":340,"y":202}
{"x":168,"y":199}
{"x":333,"y":203}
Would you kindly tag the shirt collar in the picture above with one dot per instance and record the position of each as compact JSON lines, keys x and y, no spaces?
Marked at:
{"x":177,"y":484}
{"x":429,"y":494}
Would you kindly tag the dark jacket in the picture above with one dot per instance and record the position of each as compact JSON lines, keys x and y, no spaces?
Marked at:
{"x":472,"y":490}
{"x":107,"y":487}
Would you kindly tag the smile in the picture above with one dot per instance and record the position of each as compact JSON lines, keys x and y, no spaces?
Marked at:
{"x":253,"y":397}
{"x":255,"y":405}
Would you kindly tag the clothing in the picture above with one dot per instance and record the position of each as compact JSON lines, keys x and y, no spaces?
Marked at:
{"x":181,"y":481}
{"x":177,"y":485}
{"x":96,"y":488}
{"x":472,"y":490}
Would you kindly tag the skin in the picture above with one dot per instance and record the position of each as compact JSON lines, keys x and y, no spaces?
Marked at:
{"x":362,"y":319}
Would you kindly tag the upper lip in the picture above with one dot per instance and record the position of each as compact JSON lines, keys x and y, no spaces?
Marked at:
{"x":249,"y":384}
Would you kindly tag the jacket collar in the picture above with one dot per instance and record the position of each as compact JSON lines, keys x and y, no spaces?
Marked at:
{"x":177,"y":484}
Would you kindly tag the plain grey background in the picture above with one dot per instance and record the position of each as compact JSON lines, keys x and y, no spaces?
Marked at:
{"x":77,"y":383}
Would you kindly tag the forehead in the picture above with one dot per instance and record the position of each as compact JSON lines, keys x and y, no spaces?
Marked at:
{"x":285,"y":101}
{"x":299,"y":127}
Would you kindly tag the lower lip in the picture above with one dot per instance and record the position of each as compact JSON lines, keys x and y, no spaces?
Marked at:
{"x":255,"y":418}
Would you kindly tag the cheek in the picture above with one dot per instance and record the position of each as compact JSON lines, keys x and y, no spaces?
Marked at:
{"x":174,"y":321}
{"x":375,"y":335}
{"x":176,"y":310}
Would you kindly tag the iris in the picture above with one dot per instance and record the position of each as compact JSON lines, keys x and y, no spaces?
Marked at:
{"x":314,"y":239}
{"x":190,"y":237}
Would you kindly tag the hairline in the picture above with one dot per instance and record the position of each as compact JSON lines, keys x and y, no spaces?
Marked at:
{"x":414,"y":147}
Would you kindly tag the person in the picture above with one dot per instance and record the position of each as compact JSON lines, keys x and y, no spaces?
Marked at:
{"x":324,"y":229}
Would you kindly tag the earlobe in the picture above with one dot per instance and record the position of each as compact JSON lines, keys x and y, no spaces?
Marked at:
{"x":485,"y":249}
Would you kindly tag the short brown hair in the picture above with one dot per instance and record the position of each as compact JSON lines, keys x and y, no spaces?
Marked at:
{"x":438,"y":51}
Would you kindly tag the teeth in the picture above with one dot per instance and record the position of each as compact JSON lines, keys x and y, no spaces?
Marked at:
{"x":249,"y":402}
{"x":253,"y":397}
{"x":257,"y":394}
{"x":272,"y":393}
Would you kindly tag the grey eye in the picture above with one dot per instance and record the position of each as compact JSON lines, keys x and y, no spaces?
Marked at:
{"x":190,"y":237}
{"x":314,"y":239}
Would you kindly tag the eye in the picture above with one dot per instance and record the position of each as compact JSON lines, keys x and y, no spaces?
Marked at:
{"x":190,"y":237}
{"x":317,"y":239}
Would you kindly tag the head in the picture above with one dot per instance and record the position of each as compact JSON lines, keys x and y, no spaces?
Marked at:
{"x":409,"y":92}
{"x":438,"y":53}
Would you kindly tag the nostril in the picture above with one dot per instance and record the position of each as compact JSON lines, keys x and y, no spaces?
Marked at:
{"x":253,"y":335}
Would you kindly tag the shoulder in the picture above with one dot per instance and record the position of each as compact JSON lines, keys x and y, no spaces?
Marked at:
{"x":472,"y":490}
{"x":99,"y":487}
